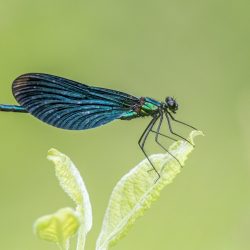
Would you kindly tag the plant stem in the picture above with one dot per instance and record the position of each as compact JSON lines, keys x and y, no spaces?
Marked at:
{"x":81,"y":238}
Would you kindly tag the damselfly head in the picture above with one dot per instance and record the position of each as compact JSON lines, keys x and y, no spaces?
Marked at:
{"x":172,"y":105}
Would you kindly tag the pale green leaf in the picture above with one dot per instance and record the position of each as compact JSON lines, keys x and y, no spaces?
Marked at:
{"x":58,"y":227}
{"x":72,"y":183}
{"x":136,"y":191}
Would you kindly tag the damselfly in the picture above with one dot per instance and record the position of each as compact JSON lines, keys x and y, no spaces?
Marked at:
{"x":71,"y":105}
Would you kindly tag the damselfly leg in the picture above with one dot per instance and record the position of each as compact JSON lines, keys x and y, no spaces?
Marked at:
{"x":181,"y":122}
{"x":150,"y":129}
{"x":143,"y":139}
{"x":171,"y":130}
{"x":166,"y":136}
{"x":157,"y":139}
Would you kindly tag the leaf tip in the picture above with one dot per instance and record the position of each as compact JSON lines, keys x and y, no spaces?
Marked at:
{"x":195,"y":133}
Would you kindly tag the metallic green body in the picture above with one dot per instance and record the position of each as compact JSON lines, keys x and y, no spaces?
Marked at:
{"x":149,"y":107}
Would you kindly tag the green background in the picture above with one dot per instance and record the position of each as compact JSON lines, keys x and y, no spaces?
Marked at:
{"x":197,"y":51}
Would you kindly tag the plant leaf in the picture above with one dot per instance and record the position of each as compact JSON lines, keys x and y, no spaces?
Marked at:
{"x":58,"y":227}
{"x":135,"y":192}
{"x":72,"y":183}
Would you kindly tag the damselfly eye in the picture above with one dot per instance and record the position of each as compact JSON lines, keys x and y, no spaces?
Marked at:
{"x":170,"y":101}
{"x":172,"y":104}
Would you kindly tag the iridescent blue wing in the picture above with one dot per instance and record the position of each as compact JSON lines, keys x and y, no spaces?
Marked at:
{"x":68,"y":104}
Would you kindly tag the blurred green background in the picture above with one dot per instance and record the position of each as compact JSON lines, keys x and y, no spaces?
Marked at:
{"x":197,"y":51}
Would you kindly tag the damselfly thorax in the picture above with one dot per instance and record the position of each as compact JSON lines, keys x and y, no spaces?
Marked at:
{"x":145,"y":107}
